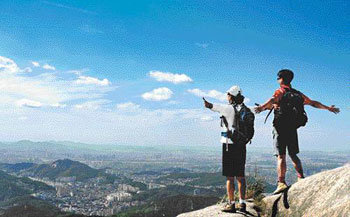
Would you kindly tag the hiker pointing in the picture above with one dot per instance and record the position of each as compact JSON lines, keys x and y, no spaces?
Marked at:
{"x":289,"y":115}
{"x":237,"y":123}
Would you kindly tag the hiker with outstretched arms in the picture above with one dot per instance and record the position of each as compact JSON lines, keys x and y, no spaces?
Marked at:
{"x":289,"y":115}
{"x":237,"y":123}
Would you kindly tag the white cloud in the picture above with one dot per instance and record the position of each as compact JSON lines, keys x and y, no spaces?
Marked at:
{"x":78,"y":71}
{"x":202,"y":45}
{"x":92,"y":105}
{"x":35,"y":64}
{"x":50,"y":89}
{"x":207,"y":118}
{"x":170,"y":77}
{"x":91,"y":80}
{"x":48,"y":67}
{"x":8,"y":66}
{"x":28,"y":103}
{"x":212,"y":94}
{"x":158,"y":94}
{"x":58,"y":105}
{"x":128,"y":106}
{"x":22,"y":118}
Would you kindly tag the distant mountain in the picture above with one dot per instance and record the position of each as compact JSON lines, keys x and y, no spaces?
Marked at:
{"x":68,"y":168}
{"x":14,"y":168}
{"x":24,"y":145}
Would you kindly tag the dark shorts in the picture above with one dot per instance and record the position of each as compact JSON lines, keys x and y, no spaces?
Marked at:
{"x":285,"y":139}
{"x":233,"y":160}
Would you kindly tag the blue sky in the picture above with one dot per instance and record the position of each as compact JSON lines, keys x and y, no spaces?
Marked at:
{"x":102,"y":54}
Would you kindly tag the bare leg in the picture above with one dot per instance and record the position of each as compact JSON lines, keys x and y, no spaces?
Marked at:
{"x":241,"y":187}
{"x":230,"y":185}
{"x":281,"y":168}
{"x":297,"y":165}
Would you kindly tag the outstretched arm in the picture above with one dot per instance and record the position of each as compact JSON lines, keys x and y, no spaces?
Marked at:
{"x":319,"y":105}
{"x":316,"y":104}
{"x":267,"y":105}
{"x":222,"y":109}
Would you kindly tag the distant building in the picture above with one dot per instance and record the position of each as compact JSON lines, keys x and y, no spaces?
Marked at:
{"x":154,"y":185}
{"x":119,"y":196}
{"x":127,"y":188}
{"x":62,"y":191}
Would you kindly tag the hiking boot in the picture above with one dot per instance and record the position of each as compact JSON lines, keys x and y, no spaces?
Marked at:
{"x":243,"y":207}
{"x":229,"y":207}
{"x":280,"y":188}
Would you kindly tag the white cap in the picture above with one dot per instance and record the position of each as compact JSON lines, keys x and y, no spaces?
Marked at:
{"x":234,"y":90}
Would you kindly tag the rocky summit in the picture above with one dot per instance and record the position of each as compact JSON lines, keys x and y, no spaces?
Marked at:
{"x":326,"y":194}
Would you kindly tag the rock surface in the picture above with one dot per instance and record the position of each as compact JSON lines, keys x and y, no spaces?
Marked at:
{"x":326,"y":194}
{"x":215,"y":211}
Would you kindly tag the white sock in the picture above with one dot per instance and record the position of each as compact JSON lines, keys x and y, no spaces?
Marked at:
{"x":241,"y":201}
{"x":232,"y":202}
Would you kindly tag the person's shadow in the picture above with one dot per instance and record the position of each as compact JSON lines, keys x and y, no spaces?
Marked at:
{"x":284,"y":194}
{"x":246,"y":213}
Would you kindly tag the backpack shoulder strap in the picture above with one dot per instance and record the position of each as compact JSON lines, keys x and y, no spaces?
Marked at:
{"x":267,"y":116}
{"x":224,"y":121}
{"x":237,"y":114}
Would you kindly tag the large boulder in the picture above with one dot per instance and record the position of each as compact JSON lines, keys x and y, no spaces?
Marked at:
{"x":326,"y":194}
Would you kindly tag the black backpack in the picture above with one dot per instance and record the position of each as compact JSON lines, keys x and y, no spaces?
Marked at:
{"x":244,"y":122}
{"x":291,"y":112}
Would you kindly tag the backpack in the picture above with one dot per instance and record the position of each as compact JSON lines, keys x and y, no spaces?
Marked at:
{"x":243,"y":131}
{"x":291,"y":112}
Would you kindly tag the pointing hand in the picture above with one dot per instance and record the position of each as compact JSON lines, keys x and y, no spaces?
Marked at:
{"x":207,"y":104}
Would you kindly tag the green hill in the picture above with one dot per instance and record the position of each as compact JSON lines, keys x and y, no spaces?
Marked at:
{"x":68,"y":168}
{"x":16,"y":199}
{"x":12,"y":186}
